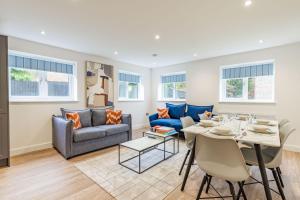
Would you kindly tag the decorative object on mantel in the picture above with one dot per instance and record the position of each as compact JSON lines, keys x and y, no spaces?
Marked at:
{"x":99,"y":84}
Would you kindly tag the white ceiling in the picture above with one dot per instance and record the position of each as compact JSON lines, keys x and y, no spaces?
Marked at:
{"x":207,"y":27}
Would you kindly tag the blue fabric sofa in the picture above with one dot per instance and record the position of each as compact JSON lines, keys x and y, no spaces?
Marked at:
{"x":178,"y":111}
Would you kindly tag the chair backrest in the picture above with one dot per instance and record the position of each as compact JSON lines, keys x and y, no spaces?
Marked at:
{"x":220,"y":157}
{"x":284,"y":132}
{"x":276,"y":153}
{"x":283,"y":122}
{"x":189,"y":138}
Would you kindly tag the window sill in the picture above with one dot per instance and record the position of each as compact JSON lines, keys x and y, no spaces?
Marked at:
{"x":130,"y":100}
{"x":247,"y":102}
{"x":171,"y":100}
{"x":42,"y":101}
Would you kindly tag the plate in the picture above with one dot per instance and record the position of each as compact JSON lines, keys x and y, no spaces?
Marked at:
{"x":219,"y":131}
{"x":206,"y":123}
{"x":261,"y":129}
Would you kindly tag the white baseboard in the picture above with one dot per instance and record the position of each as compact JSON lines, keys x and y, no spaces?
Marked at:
{"x":294,"y":148}
{"x":30,"y":148}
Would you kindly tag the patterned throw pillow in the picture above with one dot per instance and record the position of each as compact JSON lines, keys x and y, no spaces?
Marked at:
{"x":75,"y":118}
{"x":205,"y":116}
{"x":113,"y":117}
{"x":163,"y":113}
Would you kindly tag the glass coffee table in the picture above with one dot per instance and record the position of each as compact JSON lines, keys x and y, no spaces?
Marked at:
{"x":151,"y":150}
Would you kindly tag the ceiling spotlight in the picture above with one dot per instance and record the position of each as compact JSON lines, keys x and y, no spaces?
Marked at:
{"x":116,"y":53}
{"x":195,"y":55}
{"x":261,"y":41}
{"x":157,"y":37}
{"x":43,"y":32}
{"x":248,"y":3}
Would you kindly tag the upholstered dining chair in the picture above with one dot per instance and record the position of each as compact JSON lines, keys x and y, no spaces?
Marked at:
{"x":189,"y":139}
{"x":221,"y":157}
{"x":283,"y":122}
{"x":272,"y":156}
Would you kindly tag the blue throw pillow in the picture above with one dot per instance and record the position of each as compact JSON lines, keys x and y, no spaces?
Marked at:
{"x":176,"y":111}
{"x":194,"y":111}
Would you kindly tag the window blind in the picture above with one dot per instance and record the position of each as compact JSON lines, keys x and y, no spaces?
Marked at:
{"x":248,"y":71}
{"x":132,"y":78}
{"x":173,"y":78}
{"x":38,"y":64}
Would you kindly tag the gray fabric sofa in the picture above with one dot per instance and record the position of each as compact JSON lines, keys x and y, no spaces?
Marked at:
{"x":93,"y":135}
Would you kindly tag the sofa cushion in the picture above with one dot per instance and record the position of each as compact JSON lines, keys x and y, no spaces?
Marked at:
{"x":176,"y":111}
{"x":85,"y":116}
{"x":174,"y":123}
{"x":88,"y":133}
{"x":114,"y":129}
{"x":98,"y":117}
{"x":194,"y":111}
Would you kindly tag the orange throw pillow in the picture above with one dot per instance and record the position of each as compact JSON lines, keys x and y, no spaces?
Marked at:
{"x":75,"y":118}
{"x":163,"y":113}
{"x":113,"y":117}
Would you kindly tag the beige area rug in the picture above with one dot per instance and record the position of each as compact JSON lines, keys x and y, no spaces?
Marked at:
{"x":124,"y":184}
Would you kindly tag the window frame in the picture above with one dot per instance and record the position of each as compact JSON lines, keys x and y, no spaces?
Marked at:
{"x":73,"y":97}
{"x":161,"y":88}
{"x":245,"y":99}
{"x":140,"y":95}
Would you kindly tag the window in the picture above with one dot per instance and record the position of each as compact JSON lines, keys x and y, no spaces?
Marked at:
{"x":172,"y":87}
{"x":252,"y":82}
{"x":130,"y":86}
{"x":37,"y":78}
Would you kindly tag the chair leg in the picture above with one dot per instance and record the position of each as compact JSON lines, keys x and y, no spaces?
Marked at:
{"x":186,"y":156}
{"x":279,"y":176}
{"x":231,"y":190}
{"x":208,"y":183}
{"x":278,"y":183}
{"x":279,"y":170}
{"x":241,"y":190}
{"x":201,"y":186}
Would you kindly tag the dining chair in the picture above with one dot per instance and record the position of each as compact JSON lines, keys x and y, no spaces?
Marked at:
{"x":283,"y":122}
{"x":272,"y":156}
{"x":189,"y":138}
{"x":221,"y":157}
{"x":281,"y":125}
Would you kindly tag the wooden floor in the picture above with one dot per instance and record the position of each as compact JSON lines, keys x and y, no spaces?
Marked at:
{"x":46,"y":175}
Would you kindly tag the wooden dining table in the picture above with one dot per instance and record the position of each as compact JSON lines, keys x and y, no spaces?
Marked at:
{"x":242,"y":132}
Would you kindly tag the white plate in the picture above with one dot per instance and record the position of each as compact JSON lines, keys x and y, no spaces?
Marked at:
{"x":230,"y":133}
{"x":267,"y":131}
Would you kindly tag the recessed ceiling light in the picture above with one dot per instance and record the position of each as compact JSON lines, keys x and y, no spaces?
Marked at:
{"x":261,"y":41}
{"x":154,"y":63}
{"x":248,"y":3}
{"x":157,"y":37}
{"x":43,"y":32}
{"x":116,"y":53}
{"x":195,"y":55}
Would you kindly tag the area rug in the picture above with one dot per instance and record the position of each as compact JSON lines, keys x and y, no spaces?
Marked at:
{"x":124,"y":184}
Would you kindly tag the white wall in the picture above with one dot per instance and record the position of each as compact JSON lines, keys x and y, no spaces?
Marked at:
{"x":30,"y":123}
{"x":203,"y":84}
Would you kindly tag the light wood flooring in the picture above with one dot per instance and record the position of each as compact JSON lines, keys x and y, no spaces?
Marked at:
{"x":47,"y":175}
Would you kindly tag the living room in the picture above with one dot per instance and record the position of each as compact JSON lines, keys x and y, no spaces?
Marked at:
{"x":160,"y":64}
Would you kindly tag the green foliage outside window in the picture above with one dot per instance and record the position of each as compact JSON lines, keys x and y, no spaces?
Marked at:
{"x":21,"y":75}
{"x":234,"y":88}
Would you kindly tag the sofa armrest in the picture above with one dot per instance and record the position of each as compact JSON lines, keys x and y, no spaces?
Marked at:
{"x":62,"y":135}
{"x":153,"y":117}
{"x":126,"y":119}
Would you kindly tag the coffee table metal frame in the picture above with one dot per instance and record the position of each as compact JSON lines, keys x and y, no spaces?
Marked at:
{"x":154,"y":136}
